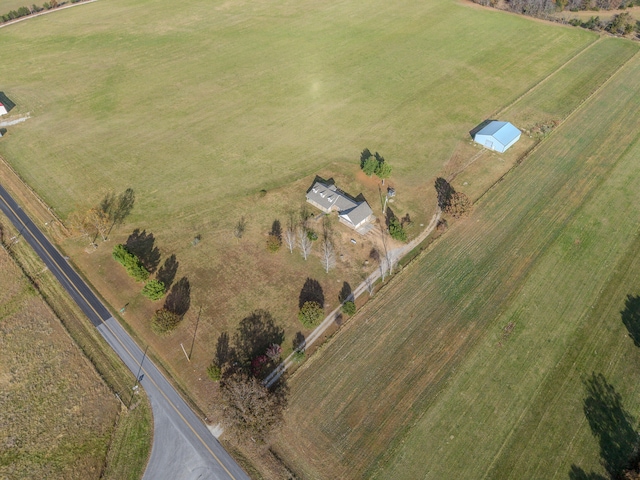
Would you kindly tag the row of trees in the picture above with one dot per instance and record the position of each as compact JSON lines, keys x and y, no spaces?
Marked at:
{"x":26,"y":11}
{"x":621,"y":24}
{"x":130,"y":262}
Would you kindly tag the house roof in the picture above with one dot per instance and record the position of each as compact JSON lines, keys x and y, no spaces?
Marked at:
{"x":357,"y":214}
{"x":328,"y":196}
{"x":503,"y":132}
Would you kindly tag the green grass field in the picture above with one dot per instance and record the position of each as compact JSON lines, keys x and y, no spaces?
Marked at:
{"x":471,"y":363}
{"x":199,"y":105}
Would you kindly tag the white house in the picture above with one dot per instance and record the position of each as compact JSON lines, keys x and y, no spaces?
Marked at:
{"x":498,"y":136}
{"x":329,"y":198}
{"x":3,"y":109}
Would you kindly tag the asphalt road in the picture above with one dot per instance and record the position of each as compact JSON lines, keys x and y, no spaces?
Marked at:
{"x":183,"y":447}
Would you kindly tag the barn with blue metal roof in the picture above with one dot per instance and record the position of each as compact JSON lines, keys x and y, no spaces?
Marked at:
{"x":498,"y":136}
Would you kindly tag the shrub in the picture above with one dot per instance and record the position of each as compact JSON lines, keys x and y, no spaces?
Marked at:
{"x":396,"y":231}
{"x":164,"y":321}
{"x":311,"y":235}
{"x":153,"y":289}
{"x":214,"y":372}
{"x":273,"y":243}
{"x":298,"y":356}
{"x":310,"y":314}
{"x":349,"y":308}
{"x":130,"y":262}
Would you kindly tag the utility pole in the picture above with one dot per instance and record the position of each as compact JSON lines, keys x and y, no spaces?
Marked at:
{"x":14,"y":240}
{"x":194,"y":334}
{"x":135,"y":386}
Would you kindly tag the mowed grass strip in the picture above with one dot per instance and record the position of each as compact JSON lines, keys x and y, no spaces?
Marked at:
{"x":562,"y":92}
{"x":358,"y":401}
{"x":514,"y":409}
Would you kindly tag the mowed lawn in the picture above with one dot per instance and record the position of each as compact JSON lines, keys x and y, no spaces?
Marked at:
{"x":200,"y":105}
{"x":471,"y":363}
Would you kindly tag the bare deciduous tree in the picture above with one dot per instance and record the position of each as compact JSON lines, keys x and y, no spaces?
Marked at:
{"x":80,"y":225}
{"x":100,"y":221}
{"x":328,"y":255}
{"x":369,"y":285}
{"x":290,"y":239}
{"x":249,"y":408}
{"x":304,"y":243}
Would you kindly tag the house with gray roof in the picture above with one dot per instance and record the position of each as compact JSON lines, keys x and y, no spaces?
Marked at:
{"x":329,"y":198}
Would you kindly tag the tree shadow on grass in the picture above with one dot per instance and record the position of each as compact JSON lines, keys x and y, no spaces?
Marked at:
{"x":345,"y":293}
{"x":611,"y":424}
{"x":167,"y":272}
{"x":141,"y":244}
{"x":179,"y":299}
{"x":631,"y":317}
{"x":299,"y":342}
{"x":225,"y":353}
{"x":445,"y":193}
{"x":576,"y":473}
{"x":255,"y":334}
{"x":311,"y":292}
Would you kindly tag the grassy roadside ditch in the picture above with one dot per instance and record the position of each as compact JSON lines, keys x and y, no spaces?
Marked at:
{"x":131,"y":437}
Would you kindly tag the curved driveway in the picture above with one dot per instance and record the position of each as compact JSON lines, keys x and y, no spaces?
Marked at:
{"x":183,"y":447}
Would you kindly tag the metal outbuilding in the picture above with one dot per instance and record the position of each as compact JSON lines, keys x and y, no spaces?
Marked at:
{"x":498,"y":136}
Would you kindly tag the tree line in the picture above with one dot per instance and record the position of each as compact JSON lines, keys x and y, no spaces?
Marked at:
{"x":26,"y":11}
{"x":620,"y":24}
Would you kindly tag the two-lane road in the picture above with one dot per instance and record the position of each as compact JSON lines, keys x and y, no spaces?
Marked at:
{"x":183,"y":447}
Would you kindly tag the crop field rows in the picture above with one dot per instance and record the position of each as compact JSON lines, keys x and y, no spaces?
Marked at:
{"x":457,"y":363}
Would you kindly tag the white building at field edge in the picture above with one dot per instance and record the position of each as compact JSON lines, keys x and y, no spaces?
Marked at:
{"x":497,"y":136}
{"x":3,"y":109}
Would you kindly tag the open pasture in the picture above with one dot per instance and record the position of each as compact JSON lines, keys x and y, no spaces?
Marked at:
{"x":471,"y":363}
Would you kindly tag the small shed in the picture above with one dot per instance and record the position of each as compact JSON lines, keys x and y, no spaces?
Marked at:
{"x":3,"y":109}
{"x":498,"y":136}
